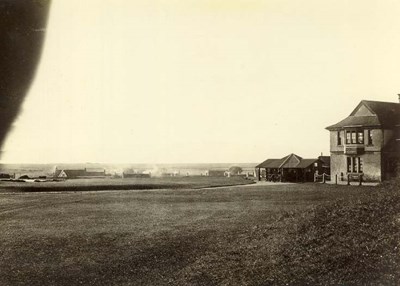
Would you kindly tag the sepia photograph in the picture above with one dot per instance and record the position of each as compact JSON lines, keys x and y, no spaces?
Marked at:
{"x":199,"y":142}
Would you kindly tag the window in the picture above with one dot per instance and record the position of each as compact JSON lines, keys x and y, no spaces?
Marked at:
{"x":348,"y":138}
{"x":369,"y":137}
{"x":360,"y":137}
{"x":353,"y":137}
{"x":339,"y":139}
{"x":354,"y":165}
{"x":348,"y":164}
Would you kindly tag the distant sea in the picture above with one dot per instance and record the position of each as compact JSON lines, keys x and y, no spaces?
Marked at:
{"x":35,"y":170}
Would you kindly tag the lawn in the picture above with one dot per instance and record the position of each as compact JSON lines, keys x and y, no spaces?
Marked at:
{"x":98,"y":184}
{"x":257,"y":235}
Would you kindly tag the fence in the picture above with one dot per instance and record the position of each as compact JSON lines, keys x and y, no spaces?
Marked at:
{"x":322,"y":178}
{"x":350,"y":178}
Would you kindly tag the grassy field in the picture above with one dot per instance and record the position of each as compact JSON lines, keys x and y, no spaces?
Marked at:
{"x":307,"y":234}
{"x":98,"y":184}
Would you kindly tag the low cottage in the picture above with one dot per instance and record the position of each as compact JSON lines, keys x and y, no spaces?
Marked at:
{"x":291,"y":168}
{"x":79,"y":173}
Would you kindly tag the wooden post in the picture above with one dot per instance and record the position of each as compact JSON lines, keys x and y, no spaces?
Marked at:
{"x":348,"y":179}
{"x":360,"y":180}
{"x":323,"y":178}
{"x":259,"y":174}
{"x":336,"y":179}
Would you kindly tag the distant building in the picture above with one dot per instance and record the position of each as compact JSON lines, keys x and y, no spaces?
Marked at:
{"x":95,"y":172}
{"x":165,"y":173}
{"x":5,"y":176}
{"x":366,"y":142}
{"x":217,"y":173}
{"x":79,"y":173}
{"x":130,"y":174}
{"x":291,"y":168}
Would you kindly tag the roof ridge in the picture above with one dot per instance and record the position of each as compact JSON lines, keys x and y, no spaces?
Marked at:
{"x":367,"y":100}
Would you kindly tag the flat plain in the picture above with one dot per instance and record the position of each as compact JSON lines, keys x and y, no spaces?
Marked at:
{"x":295,"y":234}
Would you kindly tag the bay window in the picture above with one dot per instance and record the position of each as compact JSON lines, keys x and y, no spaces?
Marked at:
{"x":354,"y":137}
{"x":354,"y":165}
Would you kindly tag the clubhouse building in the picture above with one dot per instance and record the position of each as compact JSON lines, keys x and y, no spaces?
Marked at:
{"x":367,"y":142}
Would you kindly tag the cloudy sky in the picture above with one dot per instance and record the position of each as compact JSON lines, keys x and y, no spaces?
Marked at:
{"x":177,"y":81}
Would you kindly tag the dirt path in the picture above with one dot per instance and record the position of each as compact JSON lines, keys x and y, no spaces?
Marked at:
{"x":250,"y":185}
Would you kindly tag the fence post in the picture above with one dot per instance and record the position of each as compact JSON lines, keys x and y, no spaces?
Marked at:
{"x":336,"y":179}
{"x":360,"y":180}
{"x":323,"y":178}
{"x":348,"y":179}
{"x":315,"y":177}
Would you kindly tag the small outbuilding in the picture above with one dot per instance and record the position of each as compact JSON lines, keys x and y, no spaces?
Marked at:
{"x":291,"y":168}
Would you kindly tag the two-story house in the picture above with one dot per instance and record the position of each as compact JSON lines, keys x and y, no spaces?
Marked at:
{"x":366,"y":142}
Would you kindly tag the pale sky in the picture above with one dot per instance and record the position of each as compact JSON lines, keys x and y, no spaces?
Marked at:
{"x":191,"y":81}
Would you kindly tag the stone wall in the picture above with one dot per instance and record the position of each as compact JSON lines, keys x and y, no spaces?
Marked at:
{"x":371,"y":166}
{"x":333,"y":141}
{"x":338,"y":166}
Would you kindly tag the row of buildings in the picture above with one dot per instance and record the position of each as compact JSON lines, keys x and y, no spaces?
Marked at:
{"x":65,"y":173}
{"x":365,"y":144}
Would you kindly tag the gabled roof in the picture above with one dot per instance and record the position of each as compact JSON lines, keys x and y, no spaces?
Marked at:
{"x":271,"y":163}
{"x":70,"y":173}
{"x":288,"y":162}
{"x":388,"y":112}
{"x":383,"y":114}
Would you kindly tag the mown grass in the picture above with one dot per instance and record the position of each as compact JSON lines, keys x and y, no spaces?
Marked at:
{"x":306,"y":234}
{"x":99,"y":184}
